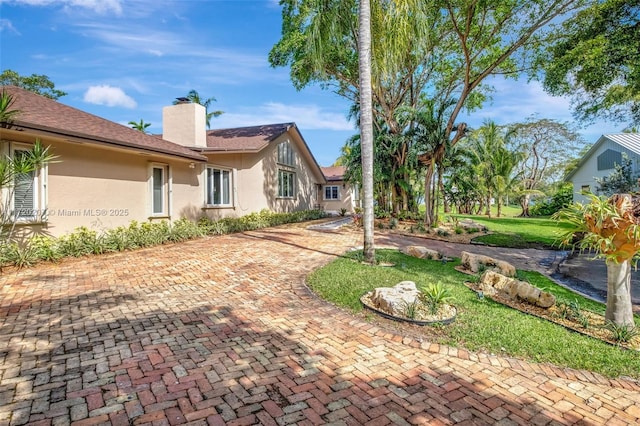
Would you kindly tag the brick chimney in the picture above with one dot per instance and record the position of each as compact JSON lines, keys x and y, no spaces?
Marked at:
{"x":185,"y":123}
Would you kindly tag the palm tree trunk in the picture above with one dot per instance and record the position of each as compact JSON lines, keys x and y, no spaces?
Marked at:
{"x":619,"y":308}
{"x":366,"y":125}
{"x":428,"y":177}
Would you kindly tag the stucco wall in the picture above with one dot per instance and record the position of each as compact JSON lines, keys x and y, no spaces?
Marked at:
{"x":587,"y":173}
{"x":103,"y":188}
{"x":256,"y":181}
{"x":346,"y":201}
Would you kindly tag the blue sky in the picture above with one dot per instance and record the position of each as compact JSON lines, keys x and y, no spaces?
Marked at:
{"x":125,"y":59}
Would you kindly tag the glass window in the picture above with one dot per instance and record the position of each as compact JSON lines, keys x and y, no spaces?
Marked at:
{"x":331,"y":192}
{"x":286,"y":184}
{"x":25,"y":199}
{"x":218,"y":187}
{"x":285,"y":154}
{"x":160,"y":188}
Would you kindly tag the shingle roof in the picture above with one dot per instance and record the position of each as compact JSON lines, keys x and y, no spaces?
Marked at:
{"x":252,"y":138}
{"x":334,"y":173}
{"x":41,"y":113}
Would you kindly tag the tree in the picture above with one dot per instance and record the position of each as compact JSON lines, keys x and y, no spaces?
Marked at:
{"x":545,"y":145}
{"x":611,"y":227}
{"x":483,"y":40}
{"x":595,"y":60}
{"x":141,"y":125}
{"x":7,"y":112}
{"x":493,"y":164}
{"x":620,"y":181}
{"x":442,"y":49}
{"x":194,"y":97}
{"x":15,"y":174}
{"x":36,"y":83}
{"x":366,"y":126}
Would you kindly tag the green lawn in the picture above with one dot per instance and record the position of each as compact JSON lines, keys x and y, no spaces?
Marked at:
{"x":481,"y":325}
{"x":520,"y":232}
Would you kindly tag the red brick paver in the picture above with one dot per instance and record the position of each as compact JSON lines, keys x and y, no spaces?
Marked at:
{"x":223,"y":331}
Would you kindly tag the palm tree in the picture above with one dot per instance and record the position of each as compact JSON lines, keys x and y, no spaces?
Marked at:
{"x":7,"y":113}
{"x":366,"y":125}
{"x":194,"y":97}
{"x":141,"y":126}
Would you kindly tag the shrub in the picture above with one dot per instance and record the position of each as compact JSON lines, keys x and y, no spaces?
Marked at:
{"x":434,"y":296}
{"x":83,"y":241}
{"x":393,"y":223}
{"x":562,"y":198}
{"x":343,"y":211}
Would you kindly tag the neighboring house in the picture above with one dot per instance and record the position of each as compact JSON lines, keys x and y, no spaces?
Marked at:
{"x":107,"y":174}
{"x":337,"y":194}
{"x":601,"y":159}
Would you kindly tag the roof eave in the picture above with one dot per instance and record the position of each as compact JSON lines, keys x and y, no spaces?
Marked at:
{"x":16,"y":125}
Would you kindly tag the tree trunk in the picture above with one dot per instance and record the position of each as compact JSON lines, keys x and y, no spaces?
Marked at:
{"x":619,"y":308}
{"x":366,"y":126}
{"x":524,"y":203}
{"x":428,"y":177}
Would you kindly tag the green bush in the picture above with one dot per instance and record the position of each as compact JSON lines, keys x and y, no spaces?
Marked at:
{"x":562,"y":198}
{"x":84,"y":241}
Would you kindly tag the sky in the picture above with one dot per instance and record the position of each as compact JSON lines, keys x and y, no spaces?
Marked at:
{"x":126,"y":59}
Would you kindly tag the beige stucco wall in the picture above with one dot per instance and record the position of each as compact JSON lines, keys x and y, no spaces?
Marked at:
{"x":102,"y":187}
{"x":256,"y":180}
{"x":346,"y":201}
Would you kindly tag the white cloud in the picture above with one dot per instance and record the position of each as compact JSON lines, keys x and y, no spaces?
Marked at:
{"x":98,"y":6}
{"x":6,"y":25}
{"x":310,"y":117}
{"x":109,"y":96}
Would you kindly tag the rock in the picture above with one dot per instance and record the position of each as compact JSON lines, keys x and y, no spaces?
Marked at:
{"x":470,"y":224}
{"x":394,"y":300}
{"x":476,"y":262}
{"x":494,"y":283}
{"x":421,"y":252}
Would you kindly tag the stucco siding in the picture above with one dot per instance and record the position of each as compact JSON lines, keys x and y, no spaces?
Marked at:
{"x":102,"y":188}
{"x":345,"y":201}
{"x":256,"y":180}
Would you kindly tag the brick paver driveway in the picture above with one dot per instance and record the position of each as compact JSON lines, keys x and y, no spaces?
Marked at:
{"x":223,"y":330}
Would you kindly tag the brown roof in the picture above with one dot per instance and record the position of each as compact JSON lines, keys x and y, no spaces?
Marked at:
{"x":40,"y":113}
{"x":252,"y":138}
{"x":334,"y":173}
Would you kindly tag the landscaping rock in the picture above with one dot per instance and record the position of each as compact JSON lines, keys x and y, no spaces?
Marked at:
{"x":493,"y":283}
{"x":421,"y":252}
{"x":477,"y":262}
{"x":470,"y":224}
{"x":394,"y":300}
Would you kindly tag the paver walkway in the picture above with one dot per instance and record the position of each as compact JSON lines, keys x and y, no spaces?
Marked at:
{"x":223,"y":331}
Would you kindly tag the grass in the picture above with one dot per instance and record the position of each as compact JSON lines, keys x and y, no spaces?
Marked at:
{"x":520,"y":232}
{"x":481,"y":324}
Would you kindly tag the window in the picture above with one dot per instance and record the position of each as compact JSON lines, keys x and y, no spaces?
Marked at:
{"x":285,"y":154}
{"x":160,"y":189}
{"x":585,"y":188}
{"x":286,"y":184}
{"x":331,"y":192}
{"x":356,"y":193}
{"x":608,"y":159}
{"x":29,"y":190}
{"x":218,"y":187}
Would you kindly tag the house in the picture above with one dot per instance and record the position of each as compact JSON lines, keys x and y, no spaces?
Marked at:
{"x":337,"y":194}
{"x":107,"y":175}
{"x":601,"y":159}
